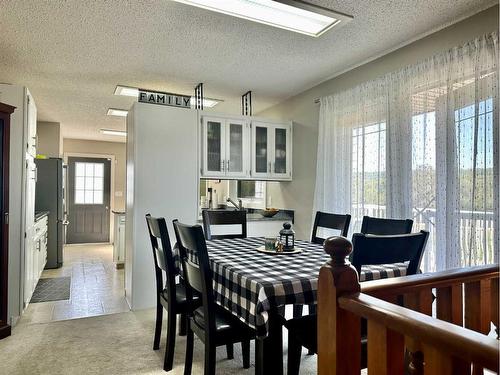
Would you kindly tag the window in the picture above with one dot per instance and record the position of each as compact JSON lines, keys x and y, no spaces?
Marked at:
{"x":89,"y":183}
{"x":251,"y":189}
{"x":475,"y":179}
{"x":368,"y":171}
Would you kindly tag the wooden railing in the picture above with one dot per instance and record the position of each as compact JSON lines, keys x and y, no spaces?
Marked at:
{"x":434,"y":324}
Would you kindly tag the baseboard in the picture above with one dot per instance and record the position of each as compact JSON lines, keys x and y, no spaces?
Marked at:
{"x":5,"y":330}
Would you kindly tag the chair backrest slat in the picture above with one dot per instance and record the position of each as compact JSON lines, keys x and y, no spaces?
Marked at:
{"x":162,"y":255}
{"x":224,"y":217}
{"x":193,"y":274}
{"x":196,"y":267}
{"x":330,"y":221}
{"x":374,"y":249}
{"x":385,"y":227}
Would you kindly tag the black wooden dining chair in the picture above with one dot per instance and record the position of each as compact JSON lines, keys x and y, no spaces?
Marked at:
{"x":171,"y":295}
{"x":224,"y":217}
{"x":387,"y":227}
{"x":330,"y":221}
{"x":371,"y":249}
{"x":214,"y":325}
{"x":303,"y":332}
{"x":368,"y":250}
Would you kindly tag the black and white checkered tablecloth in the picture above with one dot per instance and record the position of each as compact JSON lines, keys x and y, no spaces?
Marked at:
{"x":249,"y":283}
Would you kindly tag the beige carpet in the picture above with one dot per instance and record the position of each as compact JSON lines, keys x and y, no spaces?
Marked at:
{"x":108,"y":344}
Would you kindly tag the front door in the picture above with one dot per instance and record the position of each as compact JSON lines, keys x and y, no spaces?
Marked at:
{"x":88,"y":200}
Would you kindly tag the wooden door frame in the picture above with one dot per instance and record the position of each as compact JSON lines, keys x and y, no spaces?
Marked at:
{"x":67,"y":155}
{"x":5,"y":329}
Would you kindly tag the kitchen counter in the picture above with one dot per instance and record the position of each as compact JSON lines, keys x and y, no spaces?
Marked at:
{"x":253,"y":214}
{"x":41,"y":214}
{"x":282,"y":215}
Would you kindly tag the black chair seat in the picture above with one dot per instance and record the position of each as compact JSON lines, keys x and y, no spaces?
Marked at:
{"x":227,"y":326}
{"x":180,"y":296}
{"x":304,"y":329}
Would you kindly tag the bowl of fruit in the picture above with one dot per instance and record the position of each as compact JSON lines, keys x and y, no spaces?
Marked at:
{"x":269,"y":212}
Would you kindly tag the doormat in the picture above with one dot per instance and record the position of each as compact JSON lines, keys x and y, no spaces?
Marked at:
{"x":52,"y":289}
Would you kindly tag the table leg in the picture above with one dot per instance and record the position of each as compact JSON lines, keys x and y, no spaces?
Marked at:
{"x":269,"y":350}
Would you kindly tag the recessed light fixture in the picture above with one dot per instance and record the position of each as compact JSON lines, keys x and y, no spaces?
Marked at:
{"x":117,"y":112}
{"x":293,"y":15}
{"x":207,"y":102}
{"x":134,"y":91}
{"x":114,"y":132}
{"x":126,"y":91}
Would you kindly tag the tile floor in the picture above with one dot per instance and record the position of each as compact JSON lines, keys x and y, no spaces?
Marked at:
{"x":97,"y":287}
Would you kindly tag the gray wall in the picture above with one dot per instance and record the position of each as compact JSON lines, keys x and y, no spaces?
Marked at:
{"x":50,"y":141}
{"x":299,"y":193}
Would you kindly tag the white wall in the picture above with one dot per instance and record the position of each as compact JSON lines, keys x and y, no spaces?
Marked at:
{"x":162,"y":179}
{"x":299,"y":193}
{"x":15,"y":95}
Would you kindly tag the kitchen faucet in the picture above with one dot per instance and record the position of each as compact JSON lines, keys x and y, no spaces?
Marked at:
{"x":238,"y":206}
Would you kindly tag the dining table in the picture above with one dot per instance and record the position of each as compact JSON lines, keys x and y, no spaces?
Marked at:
{"x":255,"y":286}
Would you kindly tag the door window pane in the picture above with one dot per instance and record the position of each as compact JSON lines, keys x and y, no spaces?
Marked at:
{"x":80,"y":183}
{"x":99,"y":170}
{"x":89,"y":183}
{"x":79,"y":197}
{"x":260,"y":149}
{"x":80,"y":169}
{"x":214,"y":152}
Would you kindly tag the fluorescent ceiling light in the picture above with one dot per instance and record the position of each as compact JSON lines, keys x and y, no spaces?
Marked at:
{"x":126,"y":91}
{"x":207,"y":102}
{"x":293,"y":15}
{"x":134,"y":91}
{"x":114,"y":132}
{"x":117,"y":112}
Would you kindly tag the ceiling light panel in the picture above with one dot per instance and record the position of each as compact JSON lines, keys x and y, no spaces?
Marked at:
{"x":114,"y":132}
{"x":207,"y":102}
{"x":126,"y":91}
{"x":117,"y":112}
{"x":286,"y":14}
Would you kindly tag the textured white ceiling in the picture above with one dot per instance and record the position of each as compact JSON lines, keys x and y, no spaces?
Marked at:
{"x":72,"y":54}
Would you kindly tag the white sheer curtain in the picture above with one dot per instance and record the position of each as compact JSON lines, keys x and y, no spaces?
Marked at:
{"x":420,"y":143}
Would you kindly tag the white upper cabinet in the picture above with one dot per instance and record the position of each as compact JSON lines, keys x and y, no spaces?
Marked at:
{"x":245,"y":148}
{"x":225,"y":147}
{"x":271,"y":151}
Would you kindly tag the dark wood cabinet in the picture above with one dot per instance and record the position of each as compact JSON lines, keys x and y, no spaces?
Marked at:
{"x":5,"y":112}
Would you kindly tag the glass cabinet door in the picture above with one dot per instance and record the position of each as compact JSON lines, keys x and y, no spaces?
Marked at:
{"x":280,"y":163}
{"x":261,"y":150}
{"x":213,"y":139}
{"x":236,"y":142}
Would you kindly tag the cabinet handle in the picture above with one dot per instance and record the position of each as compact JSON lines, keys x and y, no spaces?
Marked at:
{"x":270,"y":167}
{"x":227,"y":165}
{"x":222,"y":166}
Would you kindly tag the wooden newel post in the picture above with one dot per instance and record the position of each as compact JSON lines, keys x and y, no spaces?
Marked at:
{"x":339,"y":331}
